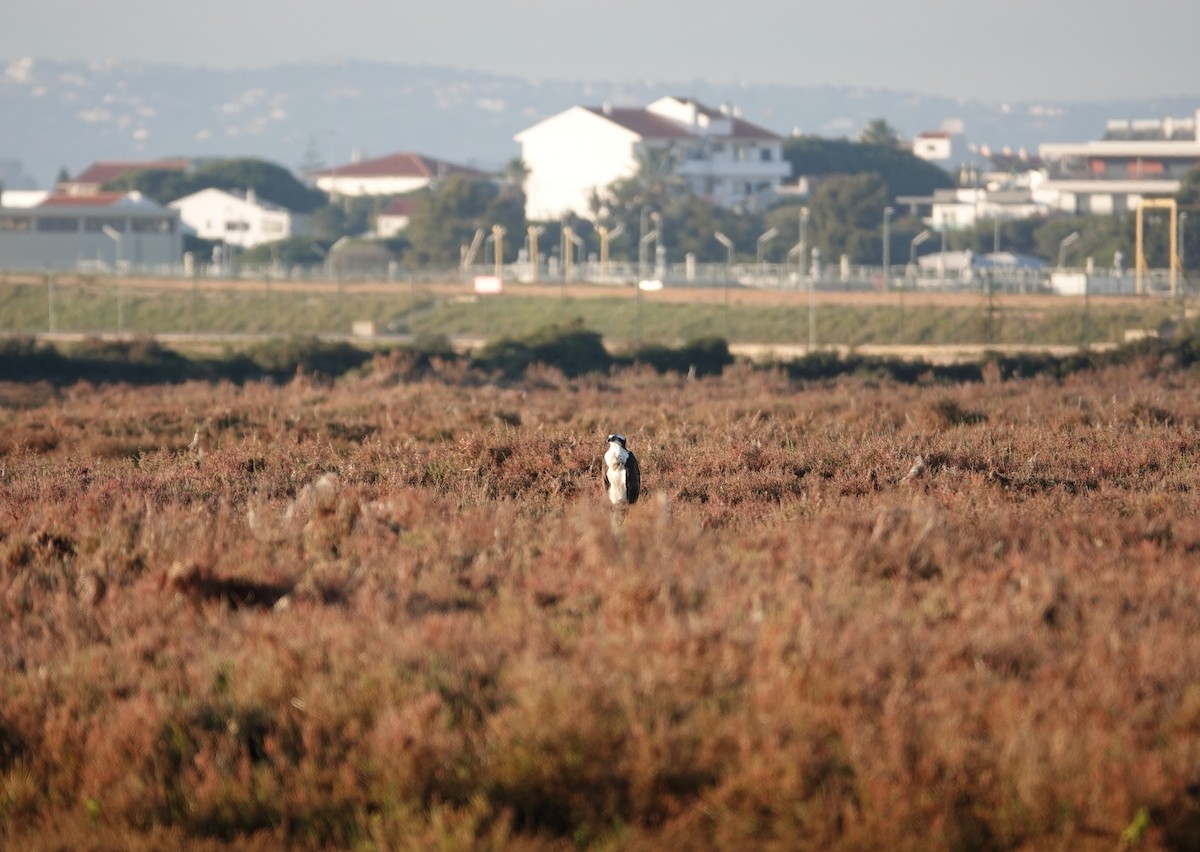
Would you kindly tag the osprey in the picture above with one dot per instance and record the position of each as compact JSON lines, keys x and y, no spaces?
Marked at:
{"x":621,"y":472}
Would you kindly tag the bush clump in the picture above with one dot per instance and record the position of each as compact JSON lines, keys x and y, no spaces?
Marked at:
{"x":704,"y":356}
{"x":572,"y":349}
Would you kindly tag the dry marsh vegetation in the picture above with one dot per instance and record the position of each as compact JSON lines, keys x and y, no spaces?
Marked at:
{"x":395,"y":611}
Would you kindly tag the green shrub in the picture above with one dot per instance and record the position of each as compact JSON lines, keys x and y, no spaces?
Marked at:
{"x":572,"y":349}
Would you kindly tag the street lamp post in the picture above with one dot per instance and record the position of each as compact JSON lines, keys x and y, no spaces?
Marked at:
{"x":533,"y":232}
{"x":942,"y":258}
{"x":728,"y":243}
{"x":606,"y":235}
{"x":803,"y":242}
{"x":115,"y":235}
{"x":568,"y":253}
{"x":887,"y":246}
{"x":660,"y":252}
{"x":764,"y":238}
{"x":1181,"y":251}
{"x":1183,"y":269}
{"x":916,"y":241}
{"x":646,"y":239}
{"x":498,"y":249}
{"x":1069,"y":240}
{"x":50,"y":300}
{"x":579,"y":244}
{"x":912,"y":262}
{"x":642,"y":243}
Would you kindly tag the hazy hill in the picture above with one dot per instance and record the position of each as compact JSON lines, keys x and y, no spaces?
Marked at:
{"x":68,"y":114}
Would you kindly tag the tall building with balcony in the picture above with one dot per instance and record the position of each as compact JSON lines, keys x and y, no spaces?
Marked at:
{"x":1134,"y":160}
{"x":720,"y":156}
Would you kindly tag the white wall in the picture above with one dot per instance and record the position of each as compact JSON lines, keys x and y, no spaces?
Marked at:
{"x":218,"y":215}
{"x":357,"y":186}
{"x":568,"y":156}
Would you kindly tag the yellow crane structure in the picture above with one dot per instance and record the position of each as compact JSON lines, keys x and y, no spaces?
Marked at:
{"x":1140,"y":254}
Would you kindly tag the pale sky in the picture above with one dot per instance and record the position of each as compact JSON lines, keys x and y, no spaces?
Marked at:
{"x":992,"y":50}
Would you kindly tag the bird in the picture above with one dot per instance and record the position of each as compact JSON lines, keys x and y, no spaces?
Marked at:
{"x":622,"y":474}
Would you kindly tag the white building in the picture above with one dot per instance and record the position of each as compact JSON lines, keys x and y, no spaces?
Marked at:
{"x":965,"y":207}
{"x":394,"y":218}
{"x":950,"y":151}
{"x":395,"y":174}
{"x":238,"y":218}
{"x":1135,"y":160}
{"x":584,"y":149}
{"x":108,"y":229}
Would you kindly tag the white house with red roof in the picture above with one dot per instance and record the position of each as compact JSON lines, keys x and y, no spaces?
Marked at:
{"x":393,"y":218}
{"x":238,"y":218}
{"x":582,"y":150}
{"x":394,"y":174}
{"x":106,"y":229}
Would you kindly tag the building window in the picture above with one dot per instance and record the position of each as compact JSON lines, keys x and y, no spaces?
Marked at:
{"x":153,"y":226}
{"x":58,"y":224}
{"x":96,"y":224}
{"x":14,"y":224}
{"x":765,"y":155}
{"x":237,"y":226}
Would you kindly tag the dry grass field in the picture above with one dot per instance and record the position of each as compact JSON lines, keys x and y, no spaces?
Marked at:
{"x":396,"y":612}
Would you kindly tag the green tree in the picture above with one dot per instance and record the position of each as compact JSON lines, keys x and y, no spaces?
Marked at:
{"x":447,"y":216}
{"x":653,"y":184}
{"x":845,"y":215}
{"x":271,"y":182}
{"x":1188,"y":198}
{"x":1100,"y":237}
{"x":903,"y":173}
{"x":515,"y":174}
{"x":690,"y":223}
{"x":879,"y":132}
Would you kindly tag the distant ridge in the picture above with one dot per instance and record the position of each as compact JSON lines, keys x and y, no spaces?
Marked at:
{"x":69,"y":114}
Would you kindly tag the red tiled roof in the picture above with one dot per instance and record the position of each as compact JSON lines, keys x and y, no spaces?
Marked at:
{"x":402,"y":164}
{"x":747,"y":130}
{"x":651,"y":126}
{"x":399,"y":207}
{"x":642,"y":122}
{"x":99,"y":199}
{"x":105,"y":171}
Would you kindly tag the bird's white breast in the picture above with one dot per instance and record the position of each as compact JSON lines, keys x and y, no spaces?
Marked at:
{"x":615,"y":460}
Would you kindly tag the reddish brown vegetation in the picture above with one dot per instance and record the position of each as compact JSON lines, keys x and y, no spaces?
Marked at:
{"x":398,"y":613}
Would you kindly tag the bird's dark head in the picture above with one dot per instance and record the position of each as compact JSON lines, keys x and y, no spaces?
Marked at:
{"x":620,"y":439}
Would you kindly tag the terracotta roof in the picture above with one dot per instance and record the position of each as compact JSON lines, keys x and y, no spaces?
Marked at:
{"x":649,"y":125}
{"x":399,"y":207}
{"x":104,"y":171}
{"x":100,"y":199}
{"x":642,"y":122}
{"x":746,"y":130}
{"x":401,"y":164}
